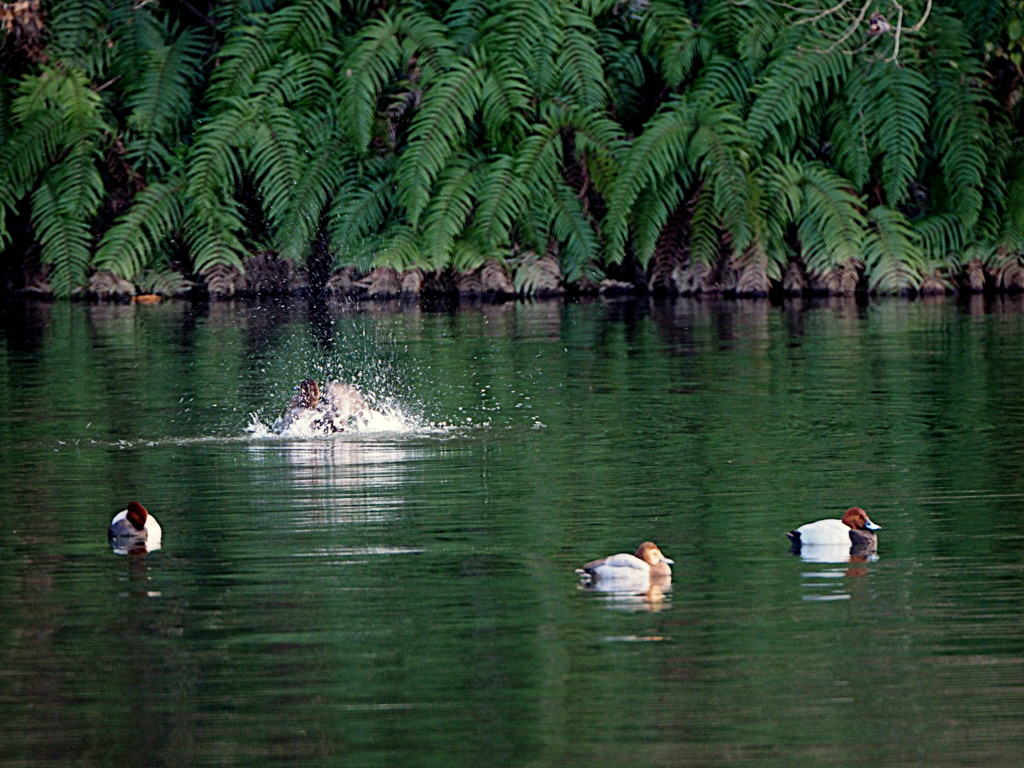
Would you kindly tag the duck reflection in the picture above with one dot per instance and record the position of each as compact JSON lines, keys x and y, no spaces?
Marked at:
{"x":653,"y":596}
{"x":828,"y":584}
{"x":865,"y":552}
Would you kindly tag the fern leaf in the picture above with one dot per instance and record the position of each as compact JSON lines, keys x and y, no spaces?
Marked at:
{"x":245,"y":53}
{"x":437,"y":131}
{"x":273,"y":159}
{"x":505,"y":102}
{"x":660,"y":150}
{"x":653,"y":209}
{"x":62,"y":206}
{"x":449,"y":211}
{"x":941,"y":237}
{"x":399,"y":248}
{"x":502,"y":199}
{"x":901,"y":96}
{"x":327,"y":168}
{"x":303,"y":25}
{"x":212,"y":236}
{"x":705,"y":235}
{"x":668,"y":33}
{"x":961,"y":143}
{"x":831,"y":222}
{"x":358,"y":214}
{"x":893,"y":259}
{"x":162,"y":99}
{"x":140,"y":234}
{"x":580,"y":248}
{"x":790,"y":89}
{"x":34,"y":145}
{"x":719,"y":150}
{"x":580,"y":65}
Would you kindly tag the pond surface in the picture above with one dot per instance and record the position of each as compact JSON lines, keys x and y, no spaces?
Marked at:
{"x":405,"y":595}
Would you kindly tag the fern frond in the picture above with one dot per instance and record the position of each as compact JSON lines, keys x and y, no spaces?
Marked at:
{"x":303,"y":25}
{"x":901,"y":97}
{"x":35,"y":143}
{"x":75,"y":31}
{"x":449,"y":211}
{"x":273,"y":159}
{"x":360,"y":209}
{"x":601,"y":142}
{"x":328,"y":167}
{"x":161,"y":99}
{"x":531,"y":32}
{"x":705,"y":234}
{"x":502,"y":199}
{"x":245,"y":53}
{"x":571,"y":226}
{"x":579,"y":63}
{"x":624,"y":72}
{"x":668,"y":34}
{"x":63,"y":205}
{"x":437,"y":131}
{"x":722,"y":80}
{"x":942,"y":238}
{"x":465,"y":19}
{"x":213,"y":159}
{"x":212,"y":236}
{"x":653,"y":209}
{"x":831,"y":221}
{"x":399,"y":248}
{"x":505,"y":102}
{"x":893,"y":259}
{"x":789,"y":90}
{"x":660,"y":150}
{"x":961,"y":137}
{"x":383,"y":47}
{"x":140,"y":234}
{"x":719,"y":150}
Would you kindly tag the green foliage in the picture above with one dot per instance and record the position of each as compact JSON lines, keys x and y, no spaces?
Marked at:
{"x":559,"y":136}
{"x":140,"y":235}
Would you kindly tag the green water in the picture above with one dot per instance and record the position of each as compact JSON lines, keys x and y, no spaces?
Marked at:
{"x":406,"y":597}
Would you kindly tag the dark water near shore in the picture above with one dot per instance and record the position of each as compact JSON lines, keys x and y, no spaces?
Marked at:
{"x":405,"y":596}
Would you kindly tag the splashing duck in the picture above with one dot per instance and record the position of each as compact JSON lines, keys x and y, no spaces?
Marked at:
{"x":338,"y":407}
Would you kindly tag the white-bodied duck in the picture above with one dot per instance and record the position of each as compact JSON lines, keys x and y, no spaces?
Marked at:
{"x":624,"y":572}
{"x":134,"y":528}
{"x":854,"y":530}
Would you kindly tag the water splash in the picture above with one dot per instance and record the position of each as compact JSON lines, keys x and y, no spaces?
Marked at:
{"x":388,"y":417}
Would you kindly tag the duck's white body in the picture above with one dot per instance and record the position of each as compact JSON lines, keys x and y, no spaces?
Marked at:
{"x":825,"y":532}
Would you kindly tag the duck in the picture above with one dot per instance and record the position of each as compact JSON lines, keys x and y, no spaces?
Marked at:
{"x":335,"y":408}
{"x":134,"y":526}
{"x":627,"y":571}
{"x":854,"y":530}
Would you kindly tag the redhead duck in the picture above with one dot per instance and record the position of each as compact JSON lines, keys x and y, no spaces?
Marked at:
{"x":336,"y":408}
{"x":854,"y":530}
{"x":627,"y":571}
{"x":132,"y":527}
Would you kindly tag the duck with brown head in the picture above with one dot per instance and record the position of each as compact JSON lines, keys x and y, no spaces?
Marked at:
{"x":338,"y":407}
{"x":132,"y":527}
{"x":854,"y":530}
{"x":627,"y":571}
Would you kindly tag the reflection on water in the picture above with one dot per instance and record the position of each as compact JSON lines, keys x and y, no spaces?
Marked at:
{"x":407,"y":596}
{"x":654,"y":597}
